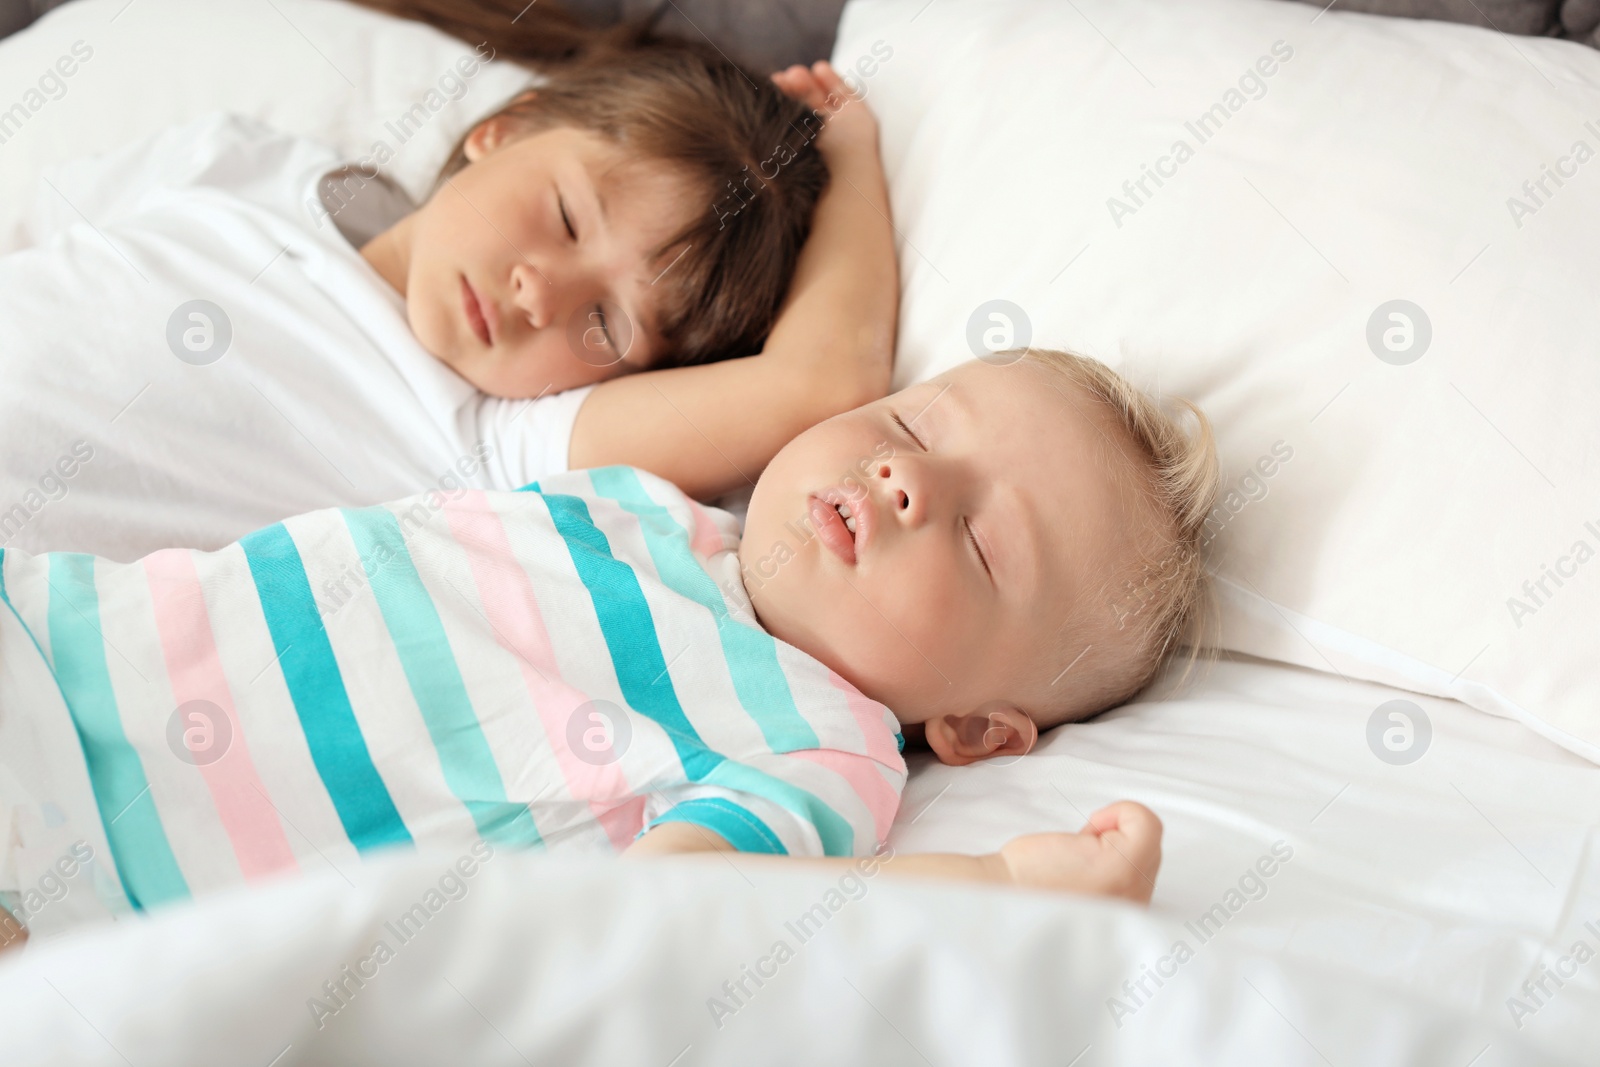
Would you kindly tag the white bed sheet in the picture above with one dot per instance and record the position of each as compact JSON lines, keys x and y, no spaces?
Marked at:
{"x":1416,"y":901}
{"x":1455,"y":876}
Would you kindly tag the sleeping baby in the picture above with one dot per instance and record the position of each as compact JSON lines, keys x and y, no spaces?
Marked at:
{"x":598,"y":662}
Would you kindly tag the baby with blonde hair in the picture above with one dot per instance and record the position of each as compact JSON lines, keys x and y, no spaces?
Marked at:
{"x":990,"y":553}
{"x":599,"y":662}
{"x":1022,"y":539}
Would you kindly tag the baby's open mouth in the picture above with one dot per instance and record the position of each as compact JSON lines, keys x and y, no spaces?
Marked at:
{"x":836,"y":525}
{"x":842,"y":523}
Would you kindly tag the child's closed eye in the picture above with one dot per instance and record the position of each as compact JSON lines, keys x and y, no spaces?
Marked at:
{"x":906,"y":429}
{"x":972,"y":537}
{"x":566,"y":219}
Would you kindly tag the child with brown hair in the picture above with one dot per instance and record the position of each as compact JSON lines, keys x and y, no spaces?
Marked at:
{"x":568,"y":295}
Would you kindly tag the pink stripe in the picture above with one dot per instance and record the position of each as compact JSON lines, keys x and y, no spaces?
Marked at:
{"x":623,"y":822}
{"x":881,"y":798}
{"x":512,"y":607}
{"x":195,"y":672}
{"x":706,"y":539}
{"x":871,"y":717}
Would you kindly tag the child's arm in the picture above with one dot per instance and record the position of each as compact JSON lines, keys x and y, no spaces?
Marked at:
{"x":713,"y":428}
{"x":1116,"y":854}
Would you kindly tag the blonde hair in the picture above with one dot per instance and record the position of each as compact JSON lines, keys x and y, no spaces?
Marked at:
{"x":1162,"y":597}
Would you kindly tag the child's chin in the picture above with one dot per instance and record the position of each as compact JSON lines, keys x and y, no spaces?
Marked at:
{"x":436,"y":341}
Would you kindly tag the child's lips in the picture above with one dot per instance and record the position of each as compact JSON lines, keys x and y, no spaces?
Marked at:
{"x":830,"y":527}
{"x":478,"y":313}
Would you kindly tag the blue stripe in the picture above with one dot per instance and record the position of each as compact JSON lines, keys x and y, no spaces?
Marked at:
{"x":641,"y":670}
{"x":837,"y":835}
{"x":435,"y":679}
{"x":751,"y":653}
{"x":139,"y":848}
{"x":311,"y":673}
{"x":629,"y":631}
{"x":5,"y":599}
{"x":738,"y":826}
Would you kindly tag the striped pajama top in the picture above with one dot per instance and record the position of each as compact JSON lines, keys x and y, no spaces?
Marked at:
{"x":561,"y":667}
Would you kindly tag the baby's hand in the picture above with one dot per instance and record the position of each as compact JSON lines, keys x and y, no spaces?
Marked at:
{"x":1116,"y":855}
{"x":846,"y":121}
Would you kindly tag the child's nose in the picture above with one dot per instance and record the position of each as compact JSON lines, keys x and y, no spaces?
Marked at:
{"x":899,"y":492}
{"x":533,"y":294}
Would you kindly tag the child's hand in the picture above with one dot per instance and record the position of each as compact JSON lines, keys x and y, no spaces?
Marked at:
{"x":1117,"y":854}
{"x":846,"y":121}
{"x":830,"y":350}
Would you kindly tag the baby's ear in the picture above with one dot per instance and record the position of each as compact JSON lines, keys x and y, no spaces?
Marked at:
{"x":998,"y":728}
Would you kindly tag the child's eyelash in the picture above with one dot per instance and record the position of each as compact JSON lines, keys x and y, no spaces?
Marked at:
{"x":599,"y":312}
{"x":566,"y":220}
{"x":895,"y":415}
{"x":978,"y":548}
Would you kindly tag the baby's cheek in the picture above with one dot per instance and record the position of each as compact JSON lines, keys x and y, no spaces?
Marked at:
{"x":915,"y":652}
{"x":866,"y":649}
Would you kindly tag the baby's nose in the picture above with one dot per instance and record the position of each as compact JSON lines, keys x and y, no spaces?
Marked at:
{"x":899,"y":499}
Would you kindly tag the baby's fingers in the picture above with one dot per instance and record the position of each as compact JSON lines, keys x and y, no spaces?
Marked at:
{"x":1133,"y":819}
{"x":1133,"y":831}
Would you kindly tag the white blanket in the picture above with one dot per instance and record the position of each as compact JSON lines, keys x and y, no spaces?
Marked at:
{"x":1416,"y":902}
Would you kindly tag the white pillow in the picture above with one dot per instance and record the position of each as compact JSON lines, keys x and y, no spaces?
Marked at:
{"x":1349,"y":161}
{"x":95,"y":74}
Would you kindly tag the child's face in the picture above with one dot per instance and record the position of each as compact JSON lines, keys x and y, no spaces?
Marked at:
{"x":552,"y":233}
{"x":905,"y":609}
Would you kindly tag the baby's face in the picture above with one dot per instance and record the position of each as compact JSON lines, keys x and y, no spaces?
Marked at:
{"x":981,"y":526}
{"x":530,"y":271}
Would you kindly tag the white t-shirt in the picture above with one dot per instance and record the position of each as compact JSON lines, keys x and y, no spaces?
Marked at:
{"x":122,"y":429}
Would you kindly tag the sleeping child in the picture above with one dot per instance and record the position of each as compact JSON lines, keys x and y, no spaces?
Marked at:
{"x":599,"y":663}
{"x":225,"y":325}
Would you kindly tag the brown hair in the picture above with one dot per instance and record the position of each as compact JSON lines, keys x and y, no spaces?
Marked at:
{"x":1162,"y":597}
{"x":749,"y":147}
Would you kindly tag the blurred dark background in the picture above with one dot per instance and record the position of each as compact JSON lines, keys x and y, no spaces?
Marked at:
{"x":768,"y":34}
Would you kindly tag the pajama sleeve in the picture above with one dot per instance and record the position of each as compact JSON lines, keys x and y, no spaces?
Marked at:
{"x":814,"y":802}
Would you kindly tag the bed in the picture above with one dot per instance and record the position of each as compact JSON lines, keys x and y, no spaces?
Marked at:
{"x":1381,"y":801}
{"x":1414,"y":903}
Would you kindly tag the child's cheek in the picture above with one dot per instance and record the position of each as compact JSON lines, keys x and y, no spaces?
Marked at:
{"x":892,"y":651}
